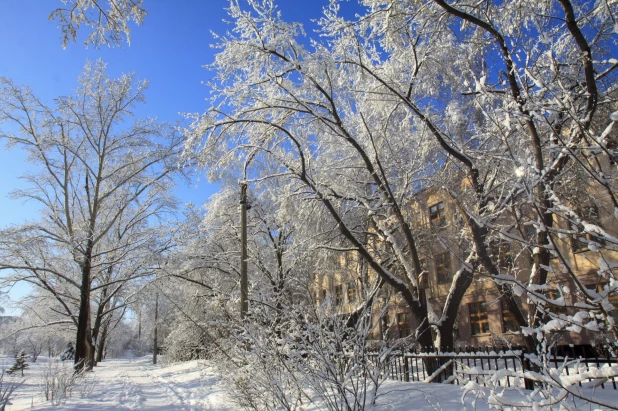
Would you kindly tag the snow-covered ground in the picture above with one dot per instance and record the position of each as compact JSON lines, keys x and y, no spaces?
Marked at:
{"x":136,"y":384}
{"x":133,"y":384}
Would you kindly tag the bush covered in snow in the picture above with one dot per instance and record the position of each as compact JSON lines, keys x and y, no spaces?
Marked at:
{"x":59,"y":381}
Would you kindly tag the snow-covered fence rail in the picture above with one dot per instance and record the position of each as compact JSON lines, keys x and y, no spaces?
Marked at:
{"x":507,"y":368}
{"x":416,"y":366}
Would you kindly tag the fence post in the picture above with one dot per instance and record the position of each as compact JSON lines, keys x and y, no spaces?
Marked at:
{"x":406,"y":369}
{"x":609,"y":363}
{"x":525,"y":366}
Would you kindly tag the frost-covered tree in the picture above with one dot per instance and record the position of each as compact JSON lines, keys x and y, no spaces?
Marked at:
{"x":539,"y":76}
{"x":102,"y":178}
{"x":497,"y":105}
{"x":209,"y":250}
{"x":42,"y":327}
{"x":320,"y":127}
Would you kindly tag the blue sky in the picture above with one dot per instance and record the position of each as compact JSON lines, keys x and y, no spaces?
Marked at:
{"x":169,"y":49}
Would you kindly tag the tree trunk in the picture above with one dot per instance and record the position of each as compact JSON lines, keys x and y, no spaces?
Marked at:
{"x":155,"y":346}
{"x":102,"y":340}
{"x":98,"y":320}
{"x":84,"y":349}
{"x":243,"y":251}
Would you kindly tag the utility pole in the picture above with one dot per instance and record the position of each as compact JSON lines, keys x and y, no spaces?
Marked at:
{"x":155,"y":347}
{"x":243,"y":250}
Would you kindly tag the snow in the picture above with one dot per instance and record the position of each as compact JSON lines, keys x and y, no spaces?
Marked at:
{"x":136,"y":384}
{"x":133,"y":384}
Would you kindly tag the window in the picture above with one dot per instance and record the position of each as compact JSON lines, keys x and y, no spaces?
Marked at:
{"x":418,"y":220}
{"x":443,"y":268}
{"x":478,"y":318}
{"x":554,"y":295}
{"x":386,"y":323}
{"x":580,"y":241}
{"x":323,"y":294}
{"x":351,"y":292}
{"x":613,"y":299}
{"x":508,"y":320}
{"x":403,"y":324}
{"x":346,"y":260}
{"x":338,"y":294}
{"x":437,"y":217}
{"x":578,"y":244}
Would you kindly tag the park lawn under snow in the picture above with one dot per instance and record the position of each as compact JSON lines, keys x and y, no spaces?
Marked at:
{"x":133,"y":384}
{"x":136,"y":384}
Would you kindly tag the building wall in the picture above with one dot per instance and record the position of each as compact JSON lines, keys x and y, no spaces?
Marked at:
{"x":436,"y":237}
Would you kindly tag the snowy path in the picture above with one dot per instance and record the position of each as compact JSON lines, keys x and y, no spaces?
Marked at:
{"x":135,"y":384}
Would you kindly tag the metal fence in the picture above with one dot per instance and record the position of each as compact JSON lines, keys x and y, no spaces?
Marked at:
{"x":461,"y":366}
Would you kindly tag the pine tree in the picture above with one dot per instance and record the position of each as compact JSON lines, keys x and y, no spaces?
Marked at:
{"x":20,"y":363}
{"x":68,"y":353}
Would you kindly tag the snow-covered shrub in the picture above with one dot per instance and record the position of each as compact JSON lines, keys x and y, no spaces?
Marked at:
{"x":340,"y":371}
{"x":312,"y":356}
{"x":501,"y":342}
{"x":5,"y":391}
{"x":59,"y":380}
{"x":86,"y":383}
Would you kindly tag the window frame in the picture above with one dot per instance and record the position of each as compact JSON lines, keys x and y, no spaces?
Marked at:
{"x":508,"y":317}
{"x":437,"y":217}
{"x":554,"y":294}
{"x":580,"y":241}
{"x":612,"y":298}
{"x":351,"y":289}
{"x":403,"y":324}
{"x":442,"y":263}
{"x":418,"y":219}
{"x":338,"y":289}
{"x":479,"y":317}
{"x":386,"y":323}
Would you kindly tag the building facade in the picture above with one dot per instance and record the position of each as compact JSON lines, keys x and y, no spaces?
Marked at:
{"x":483,"y":320}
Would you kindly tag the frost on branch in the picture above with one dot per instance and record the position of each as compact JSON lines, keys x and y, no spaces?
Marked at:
{"x":109,"y":20}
